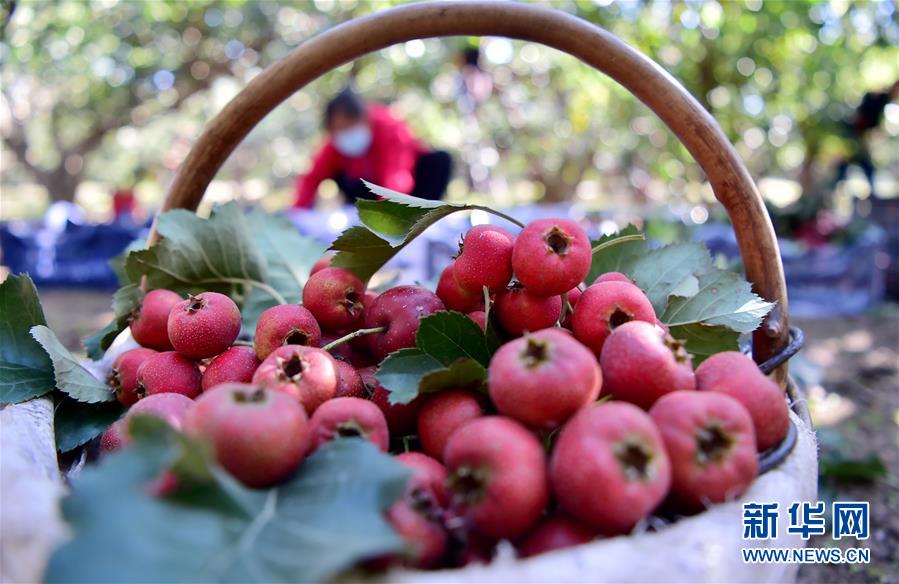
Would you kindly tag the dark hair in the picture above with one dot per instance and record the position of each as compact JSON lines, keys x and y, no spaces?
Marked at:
{"x":346,"y":102}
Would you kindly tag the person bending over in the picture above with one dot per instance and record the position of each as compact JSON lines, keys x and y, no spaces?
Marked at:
{"x":367,"y":141}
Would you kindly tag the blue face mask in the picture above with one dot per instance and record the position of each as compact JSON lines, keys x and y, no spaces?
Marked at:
{"x":353,"y":142}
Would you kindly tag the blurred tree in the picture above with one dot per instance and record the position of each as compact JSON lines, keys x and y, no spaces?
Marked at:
{"x":107,"y":91}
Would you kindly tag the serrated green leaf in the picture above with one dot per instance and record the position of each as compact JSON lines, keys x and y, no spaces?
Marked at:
{"x":661,"y":272}
{"x":722,"y":299}
{"x":202,"y":254}
{"x":389,"y":225}
{"x":289,"y":258}
{"x":118,"y":262}
{"x":324,"y":520}
{"x":71,"y":377}
{"x":402,"y":371}
{"x":407,"y":373}
{"x":460,"y":374}
{"x":25,"y":369}
{"x":449,"y":336}
{"x":76,"y":423}
{"x":613,"y":259}
{"x":703,"y":341}
{"x":125,"y":302}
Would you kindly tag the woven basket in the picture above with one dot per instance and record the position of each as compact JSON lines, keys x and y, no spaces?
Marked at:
{"x":702,"y":548}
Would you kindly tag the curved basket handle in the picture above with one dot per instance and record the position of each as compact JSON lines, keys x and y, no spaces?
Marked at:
{"x":693,"y":126}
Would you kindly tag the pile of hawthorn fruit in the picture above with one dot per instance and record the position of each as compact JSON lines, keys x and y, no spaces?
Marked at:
{"x":538,"y":460}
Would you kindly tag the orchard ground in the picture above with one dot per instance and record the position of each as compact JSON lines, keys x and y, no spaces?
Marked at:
{"x":855,"y":403}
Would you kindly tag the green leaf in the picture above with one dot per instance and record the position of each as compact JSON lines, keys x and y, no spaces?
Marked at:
{"x":289,"y":258}
{"x":118,"y":262}
{"x":71,"y":377}
{"x":613,"y":259}
{"x":76,"y":423}
{"x":389,"y":225}
{"x":704,"y":341}
{"x":661,"y":272}
{"x":407,"y":373}
{"x":25,"y":369}
{"x":722,"y":299}
{"x":448,"y":336}
{"x":201,"y":254}
{"x":848,"y":469}
{"x":326,"y":519}
{"x":125,"y":302}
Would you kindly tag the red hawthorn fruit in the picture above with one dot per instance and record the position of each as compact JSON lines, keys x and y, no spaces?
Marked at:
{"x":454,"y":296}
{"x":257,"y":435}
{"x":605,"y":306}
{"x":236,"y":365}
{"x":519,"y":311}
{"x":485,"y":259}
{"x":349,"y":383}
{"x":551,"y":256}
{"x":204,"y":325}
{"x":401,"y":418}
{"x":149,"y":325}
{"x":321,"y":263}
{"x":711,"y":444}
{"x":543,"y":378}
{"x":334,"y":297}
{"x":497,"y":476}
{"x":123,"y":375}
{"x":307,"y":374}
{"x":286,"y":324}
{"x":574,"y":295}
{"x":347,"y":417}
{"x":428,"y":482}
{"x":736,"y":375}
{"x":399,"y":310}
{"x":168,"y":372}
{"x":556,"y":532}
{"x":441,"y":415}
{"x":641,"y":363}
{"x":169,"y":407}
{"x":342,"y":352}
{"x":615,"y":445}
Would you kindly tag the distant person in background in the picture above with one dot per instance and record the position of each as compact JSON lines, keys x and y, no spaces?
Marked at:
{"x":124,"y":206}
{"x":866,"y":117}
{"x":367,"y":141}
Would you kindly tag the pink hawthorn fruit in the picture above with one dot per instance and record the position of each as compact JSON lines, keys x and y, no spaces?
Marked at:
{"x":711,"y":444}
{"x":343,"y":351}
{"x":346,"y":417}
{"x":605,"y":306}
{"x":169,"y":407}
{"x":257,"y":435}
{"x":334,"y":297}
{"x":497,"y":476}
{"x":454,"y":296}
{"x":285,"y":324}
{"x":399,"y":311}
{"x":417,"y":515}
{"x":321,"y":263}
{"x":736,"y":375}
{"x":551,"y":256}
{"x":401,"y":418}
{"x":480,"y":318}
{"x":612,"y":277}
{"x":441,"y":415}
{"x":123,"y":374}
{"x":556,"y":532}
{"x":641,"y":363}
{"x":543,"y":378}
{"x":204,"y":325}
{"x":519,"y":311}
{"x":574,"y":295}
{"x":149,"y":326}
{"x":609,"y":467}
{"x":307,"y":374}
{"x":236,"y":365}
{"x":485,"y":259}
{"x":168,"y":372}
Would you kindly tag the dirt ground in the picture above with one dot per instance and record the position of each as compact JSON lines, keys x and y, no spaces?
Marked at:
{"x":850,"y":367}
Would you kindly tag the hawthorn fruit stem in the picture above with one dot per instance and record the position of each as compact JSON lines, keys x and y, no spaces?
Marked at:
{"x":508,"y":218}
{"x":353,"y":335}
{"x":617,"y":240}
